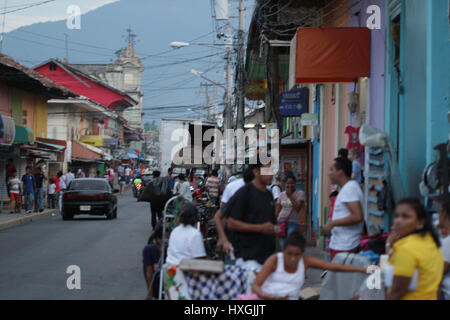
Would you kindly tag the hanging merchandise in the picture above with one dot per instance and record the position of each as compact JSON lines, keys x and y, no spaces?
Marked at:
{"x":385,"y":201}
{"x":353,"y":138}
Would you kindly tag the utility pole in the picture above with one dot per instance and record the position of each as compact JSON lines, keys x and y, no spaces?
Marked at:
{"x":240,"y":68}
{"x":228,"y":108}
{"x":67,"y":47}
{"x":3,"y":26}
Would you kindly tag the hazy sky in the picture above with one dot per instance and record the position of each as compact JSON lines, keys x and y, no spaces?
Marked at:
{"x":166,"y":81}
{"x":51,"y":11}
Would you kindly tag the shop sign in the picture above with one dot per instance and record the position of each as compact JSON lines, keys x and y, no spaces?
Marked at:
{"x":310,"y":119}
{"x":294,"y":103}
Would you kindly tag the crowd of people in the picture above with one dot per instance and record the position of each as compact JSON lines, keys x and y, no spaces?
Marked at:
{"x":260,"y":224}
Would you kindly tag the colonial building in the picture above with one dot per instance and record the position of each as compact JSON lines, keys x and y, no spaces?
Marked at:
{"x":125,"y":74}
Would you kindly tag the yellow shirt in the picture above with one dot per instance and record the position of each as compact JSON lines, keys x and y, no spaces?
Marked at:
{"x":415,"y":252}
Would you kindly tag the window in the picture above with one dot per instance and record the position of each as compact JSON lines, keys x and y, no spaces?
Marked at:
{"x":24,"y":113}
{"x":52,"y":67}
{"x":24,"y":121}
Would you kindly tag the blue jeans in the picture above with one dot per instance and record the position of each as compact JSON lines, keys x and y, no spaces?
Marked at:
{"x":290,"y":227}
{"x":29,"y":198}
{"x":39,"y":199}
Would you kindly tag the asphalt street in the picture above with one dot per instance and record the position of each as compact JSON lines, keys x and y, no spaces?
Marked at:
{"x":35,"y":257}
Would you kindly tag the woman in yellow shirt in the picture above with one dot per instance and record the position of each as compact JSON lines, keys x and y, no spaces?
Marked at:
{"x":414,"y":245}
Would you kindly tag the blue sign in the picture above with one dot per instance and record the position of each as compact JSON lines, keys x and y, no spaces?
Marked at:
{"x":294,"y":103}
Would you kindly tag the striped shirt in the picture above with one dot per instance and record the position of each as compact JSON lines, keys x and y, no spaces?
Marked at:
{"x":212,"y":185}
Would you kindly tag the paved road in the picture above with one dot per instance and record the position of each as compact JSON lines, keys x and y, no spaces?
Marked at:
{"x":34,"y":257}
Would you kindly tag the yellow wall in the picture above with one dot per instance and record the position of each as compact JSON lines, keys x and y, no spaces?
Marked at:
{"x":40,"y":117}
{"x":28,"y":105}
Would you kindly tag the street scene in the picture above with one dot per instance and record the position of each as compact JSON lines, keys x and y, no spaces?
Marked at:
{"x":228,"y":150}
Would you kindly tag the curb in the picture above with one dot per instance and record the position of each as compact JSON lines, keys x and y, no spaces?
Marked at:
{"x":26,"y":219}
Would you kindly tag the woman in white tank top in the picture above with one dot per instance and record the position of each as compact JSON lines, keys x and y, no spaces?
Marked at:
{"x":283,"y":274}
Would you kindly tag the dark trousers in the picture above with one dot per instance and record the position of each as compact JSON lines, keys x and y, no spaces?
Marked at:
{"x":156,"y":211}
{"x":51,"y":201}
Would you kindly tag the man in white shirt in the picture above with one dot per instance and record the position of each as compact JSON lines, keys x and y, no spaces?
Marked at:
{"x":69,"y":177}
{"x":347,"y":223}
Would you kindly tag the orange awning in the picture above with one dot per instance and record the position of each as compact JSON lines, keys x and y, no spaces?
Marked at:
{"x":332,"y":54}
{"x":79,"y":151}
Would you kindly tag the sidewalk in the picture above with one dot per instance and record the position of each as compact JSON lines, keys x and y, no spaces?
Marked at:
{"x":8,"y":220}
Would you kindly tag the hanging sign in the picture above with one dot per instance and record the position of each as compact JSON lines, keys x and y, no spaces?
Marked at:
{"x":310,"y":119}
{"x":294,"y":103}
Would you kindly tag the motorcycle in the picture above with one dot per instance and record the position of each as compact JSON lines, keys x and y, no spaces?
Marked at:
{"x":137,"y":190}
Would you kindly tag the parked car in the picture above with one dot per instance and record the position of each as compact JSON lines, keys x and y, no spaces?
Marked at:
{"x":93,"y":196}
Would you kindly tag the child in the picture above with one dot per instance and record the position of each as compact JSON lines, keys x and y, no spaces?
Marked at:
{"x":51,"y":194}
{"x":15,"y":192}
{"x":283,"y":274}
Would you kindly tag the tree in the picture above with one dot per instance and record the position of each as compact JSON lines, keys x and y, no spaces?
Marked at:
{"x":147,"y":126}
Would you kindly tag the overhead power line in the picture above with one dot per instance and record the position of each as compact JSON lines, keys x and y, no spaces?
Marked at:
{"x":28,"y":6}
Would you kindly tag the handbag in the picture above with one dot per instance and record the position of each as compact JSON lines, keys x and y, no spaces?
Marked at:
{"x":282,"y":226}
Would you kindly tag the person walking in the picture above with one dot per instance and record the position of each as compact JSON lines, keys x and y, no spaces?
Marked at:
{"x":251,"y":220}
{"x":288,"y":208}
{"x":212,"y":186}
{"x":183,"y":188}
{"x":122,"y":182}
{"x":39,"y":178}
{"x":354,"y":156}
{"x":51,"y":194}
{"x":416,"y":261}
{"x":128,"y":174}
{"x":223,"y":244}
{"x":29,"y":187}
{"x":10,"y":167}
{"x":15,"y":192}
{"x":63,"y":188}
{"x":347,"y":224}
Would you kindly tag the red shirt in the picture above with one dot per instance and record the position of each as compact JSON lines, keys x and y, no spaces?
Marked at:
{"x":9,"y":169}
{"x":56,"y":179}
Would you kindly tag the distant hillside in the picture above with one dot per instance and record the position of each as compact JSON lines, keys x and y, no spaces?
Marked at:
{"x":156,"y":23}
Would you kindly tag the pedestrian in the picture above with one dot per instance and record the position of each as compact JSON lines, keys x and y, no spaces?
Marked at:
{"x":193,"y":179}
{"x":98,"y":175}
{"x":283,"y":274}
{"x":120,"y":170}
{"x":151,"y":256}
{"x":288,"y":208}
{"x":275,"y":187}
{"x":10,"y":167}
{"x":212,"y":186}
{"x":355,"y":155}
{"x":416,"y":262}
{"x":162,"y":194}
{"x":51,"y":194}
{"x":444,"y":223}
{"x":183,"y":188}
{"x":39,"y":192}
{"x":122,"y":182}
{"x":63,"y":188}
{"x":29,"y":189}
{"x":186,"y":241}
{"x":347,"y":224}
{"x":15,"y":192}
{"x":223,"y":244}
{"x":170,"y":178}
{"x":128,"y":174}
{"x":80,"y":174}
{"x":251,"y":220}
